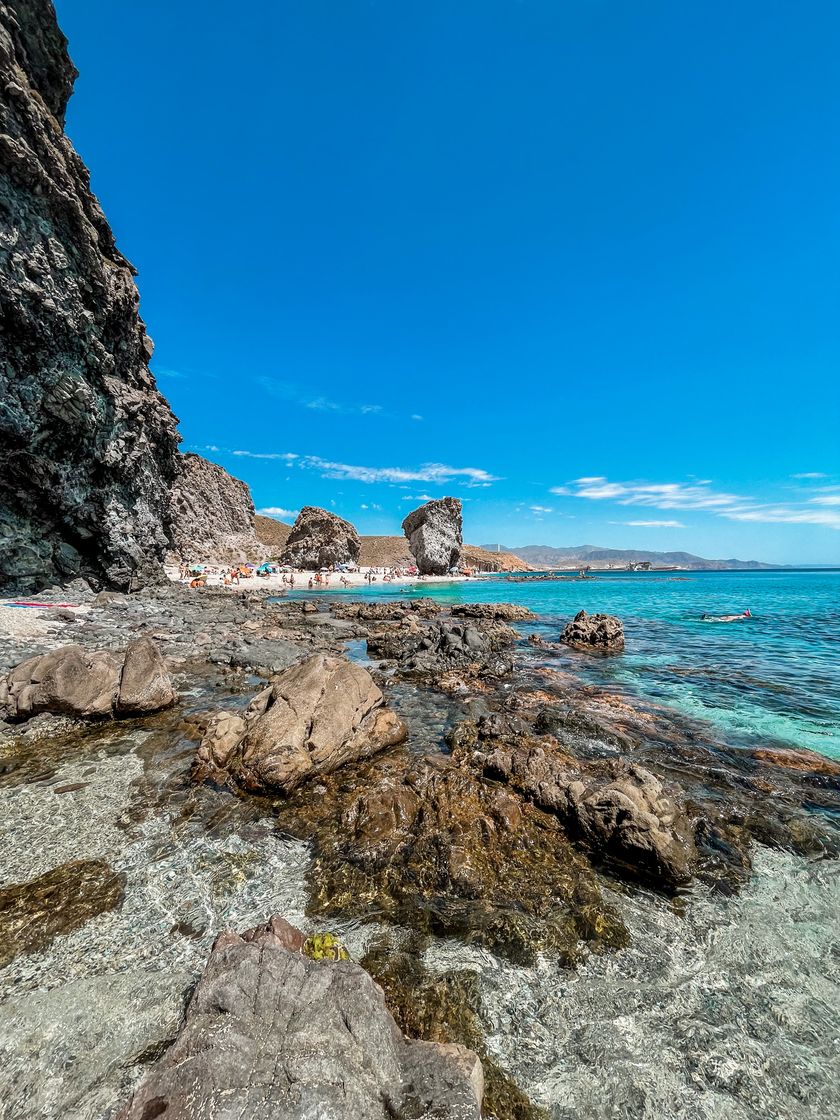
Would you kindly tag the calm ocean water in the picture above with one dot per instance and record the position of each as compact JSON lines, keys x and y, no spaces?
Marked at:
{"x":773,"y":679}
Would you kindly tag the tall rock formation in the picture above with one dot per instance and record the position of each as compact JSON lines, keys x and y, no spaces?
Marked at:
{"x":87,"y":443}
{"x":434,"y":536}
{"x":320,"y":538}
{"x":211,"y":513}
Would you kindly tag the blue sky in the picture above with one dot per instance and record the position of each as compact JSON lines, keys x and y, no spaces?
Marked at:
{"x":573,"y":262}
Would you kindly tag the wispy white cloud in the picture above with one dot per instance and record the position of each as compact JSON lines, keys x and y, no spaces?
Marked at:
{"x":655,"y":524}
{"x":428,"y":472}
{"x":541,"y":509}
{"x":416,"y":498}
{"x":809,"y":474}
{"x":285,"y":456}
{"x":700,"y":496}
{"x":295,"y":394}
{"x":416,"y":416}
{"x":278,"y":511}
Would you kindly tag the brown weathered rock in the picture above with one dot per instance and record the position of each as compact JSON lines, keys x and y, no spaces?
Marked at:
{"x":87,"y":443}
{"x":145,"y":683}
{"x":92,"y":685}
{"x":313,"y":718}
{"x":805,"y":760}
{"x":434,"y":536}
{"x":601,"y":632}
{"x":285,"y":1036}
{"x":621,"y":812}
{"x":320,"y":539}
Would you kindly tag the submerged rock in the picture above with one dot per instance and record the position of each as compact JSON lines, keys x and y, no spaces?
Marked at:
{"x":434,"y":536}
{"x":286,"y":1036}
{"x":87,"y":443}
{"x":77,"y":682}
{"x":594,"y":631}
{"x":428,"y":844}
{"x":620,"y":811}
{"x":61,"y":900}
{"x":320,"y":539}
{"x":311,"y":719}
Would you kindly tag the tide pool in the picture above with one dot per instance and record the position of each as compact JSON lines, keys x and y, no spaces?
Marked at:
{"x":774,"y":679}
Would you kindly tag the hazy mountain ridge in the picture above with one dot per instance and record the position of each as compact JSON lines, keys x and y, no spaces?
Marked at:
{"x":545,"y":556}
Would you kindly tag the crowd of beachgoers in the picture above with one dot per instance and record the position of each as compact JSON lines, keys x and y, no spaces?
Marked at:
{"x":286,"y":578}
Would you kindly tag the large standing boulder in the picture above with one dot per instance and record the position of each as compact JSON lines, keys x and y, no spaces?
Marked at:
{"x":310,"y":720}
{"x":602,"y":632}
{"x":211,"y":513}
{"x":271,"y":1032}
{"x":87,"y":443}
{"x":96,"y":684}
{"x":320,"y":539}
{"x":434,"y":536}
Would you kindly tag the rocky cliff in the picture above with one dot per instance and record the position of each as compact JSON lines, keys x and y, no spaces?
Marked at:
{"x":320,"y":538}
{"x":211,"y":514}
{"x":87,"y":444}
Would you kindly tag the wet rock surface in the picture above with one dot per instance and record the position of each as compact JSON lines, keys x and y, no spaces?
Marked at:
{"x":601,"y":632}
{"x":87,"y":443}
{"x":312,"y":719}
{"x":294,"y":1037}
{"x":320,"y":539}
{"x":434,"y":536}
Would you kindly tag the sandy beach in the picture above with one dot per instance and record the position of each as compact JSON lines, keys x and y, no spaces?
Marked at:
{"x":353,"y":581}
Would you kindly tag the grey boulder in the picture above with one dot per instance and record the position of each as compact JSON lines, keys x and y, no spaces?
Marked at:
{"x":312,"y":718}
{"x":97,"y":684}
{"x":269,"y":1032}
{"x":434,"y":534}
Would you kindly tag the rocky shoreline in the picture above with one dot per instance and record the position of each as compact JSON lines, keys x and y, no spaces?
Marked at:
{"x":512,"y":823}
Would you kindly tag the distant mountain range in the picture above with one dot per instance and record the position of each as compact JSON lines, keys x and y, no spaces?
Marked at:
{"x":544,"y":556}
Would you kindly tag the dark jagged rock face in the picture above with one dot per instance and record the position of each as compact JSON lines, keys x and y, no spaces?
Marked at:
{"x":434,"y":536}
{"x":87,"y":443}
{"x":211,"y":513}
{"x":602,"y":632}
{"x":319,"y":539}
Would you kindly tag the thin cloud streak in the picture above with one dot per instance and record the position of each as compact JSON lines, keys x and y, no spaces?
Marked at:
{"x":428,"y":472}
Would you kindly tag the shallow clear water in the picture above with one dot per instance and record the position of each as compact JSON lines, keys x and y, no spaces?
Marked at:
{"x":775,"y":678}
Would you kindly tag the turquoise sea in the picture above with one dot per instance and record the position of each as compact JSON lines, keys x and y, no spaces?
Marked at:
{"x":774,"y":679}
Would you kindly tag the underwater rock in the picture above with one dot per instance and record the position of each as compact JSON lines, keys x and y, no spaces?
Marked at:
{"x":602,"y":632}
{"x":320,"y":539}
{"x":74,"y":681}
{"x":61,"y":900}
{"x":312,"y":719}
{"x":434,"y":536}
{"x":427,"y":843}
{"x":291,"y":1037}
{"x":620,"y":811}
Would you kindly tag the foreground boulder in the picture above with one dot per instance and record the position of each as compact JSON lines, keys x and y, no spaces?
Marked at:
{"x":434,"y":536}
{"x":270,"y":1032}
{"x":211,"y":513}
{"x":311,"y":719}
{"x":320,"y":539}
{"x":93,"y":685}
{"x":87,"y":443}
{"x":594,"y":631}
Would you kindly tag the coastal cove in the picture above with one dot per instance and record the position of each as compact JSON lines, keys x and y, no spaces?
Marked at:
{"x":772,"y":680}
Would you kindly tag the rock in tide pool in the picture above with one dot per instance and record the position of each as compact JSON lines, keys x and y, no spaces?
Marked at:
{"x":310,"y":720}
{"x":602,"y":632}
{"x":61,"y":900}
{"x":434,"y":536}
{"x":87,"y":443}
{"x":74,"y":681}
{"x":282,"y":1035}
{"x":320,"y":539}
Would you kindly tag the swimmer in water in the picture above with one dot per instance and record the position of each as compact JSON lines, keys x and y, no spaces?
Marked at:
{"x":727,"y":617}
